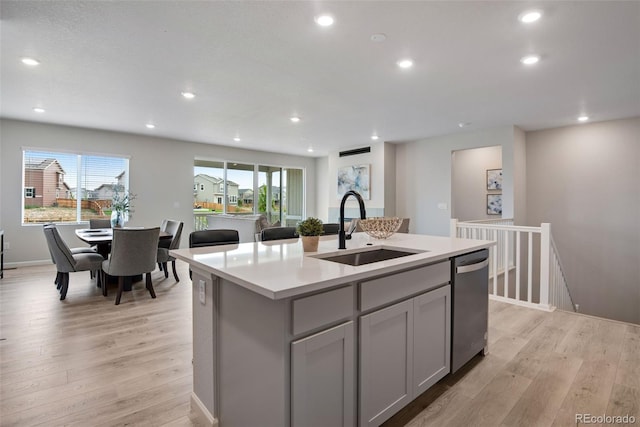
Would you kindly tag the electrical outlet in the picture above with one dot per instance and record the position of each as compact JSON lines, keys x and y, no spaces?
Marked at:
{"x":442,"y":206}
{"x":201,"y":291}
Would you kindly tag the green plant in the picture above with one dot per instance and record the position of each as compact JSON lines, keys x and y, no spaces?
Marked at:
{"x":310,"y":227}
{"x":122,"y":202}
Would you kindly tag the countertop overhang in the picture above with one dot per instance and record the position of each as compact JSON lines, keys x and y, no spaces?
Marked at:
{"x":281,"y":269}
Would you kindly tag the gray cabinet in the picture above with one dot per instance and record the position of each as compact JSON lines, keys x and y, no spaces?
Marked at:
{"x":322,"y":378}
{"x":404,"y":349}
{"x":386,"y":353}
{"x":431,"y":338}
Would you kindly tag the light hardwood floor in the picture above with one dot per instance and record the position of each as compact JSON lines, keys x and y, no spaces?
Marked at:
{"x":86,"y":362}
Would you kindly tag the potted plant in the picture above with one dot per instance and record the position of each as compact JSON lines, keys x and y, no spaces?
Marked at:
{"x":121,"y":207}
{"x":310,"y":230}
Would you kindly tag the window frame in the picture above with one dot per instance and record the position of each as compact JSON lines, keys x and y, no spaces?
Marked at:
{"x":225,"y":165}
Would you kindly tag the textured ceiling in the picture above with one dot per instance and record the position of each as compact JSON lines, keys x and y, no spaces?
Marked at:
{"x":252,"y":65}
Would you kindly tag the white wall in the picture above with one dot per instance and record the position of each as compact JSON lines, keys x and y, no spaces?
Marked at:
{"x":161,"y":174}
{"x":376,"y":205}
{"x":322,"y":181}
{"x":585,"y":181}
{"x":519,"y":177}
{"x":469,"y":182}
{"x":423,"y":176}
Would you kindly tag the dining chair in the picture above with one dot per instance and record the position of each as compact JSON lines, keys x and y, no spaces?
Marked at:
{"x":175,"y":229}
{"x":278,"y":233}
{"x":404,"y":227}
{"x":216,"y":237}
{"x":95,"y":223}
{"x":330,"y":228}
{"x":67,"y":262}
{"x":78,"y":250}
{"x":133,"y":252}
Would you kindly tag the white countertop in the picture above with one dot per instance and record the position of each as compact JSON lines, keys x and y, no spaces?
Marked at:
{"x":280,"y":269}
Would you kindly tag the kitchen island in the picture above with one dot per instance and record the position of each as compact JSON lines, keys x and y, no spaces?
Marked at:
{"x":287,"y":338}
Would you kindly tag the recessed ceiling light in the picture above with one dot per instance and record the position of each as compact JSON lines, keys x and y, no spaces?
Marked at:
{"x":405,"y":63}
{"x":30,"y":62}
{"x":295,"y":119}
{"x":150,"y":126}
{"x":188,"y":95}
{"x":324,"y":20}
{"x":583,"y":118}
{"x":379,"y":37}
{"x":237,"y":139}
{"x":374,"y":137}
{"x":530,"y":59}
{"x":38,"y":109}
{"x":310,"y":149}
{"x":530,"y":16}
{"x":464,"y":124}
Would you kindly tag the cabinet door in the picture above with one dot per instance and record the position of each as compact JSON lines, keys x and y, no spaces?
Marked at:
{"x":322,"y":379}
{"x":431,"y":338}
{"x":386,"y":341}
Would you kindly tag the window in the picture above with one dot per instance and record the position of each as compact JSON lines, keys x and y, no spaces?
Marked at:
{"x":246,"y":189}
{"x":65,"y":187}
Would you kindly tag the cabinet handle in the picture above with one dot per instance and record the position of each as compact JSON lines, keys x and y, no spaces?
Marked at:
{"x":472,"y":267}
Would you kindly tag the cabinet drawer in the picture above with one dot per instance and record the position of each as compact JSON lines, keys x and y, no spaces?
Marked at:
{"x":321,"y":309}
{"x":377,"y":292}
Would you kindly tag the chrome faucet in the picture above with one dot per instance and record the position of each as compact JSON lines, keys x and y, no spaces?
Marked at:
{"x":342,"y":236}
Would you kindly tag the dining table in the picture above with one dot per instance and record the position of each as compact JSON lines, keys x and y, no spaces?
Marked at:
{"x":101,"y":238}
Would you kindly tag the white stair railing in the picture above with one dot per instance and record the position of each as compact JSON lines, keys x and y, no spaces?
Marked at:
{"x":524,"y":267}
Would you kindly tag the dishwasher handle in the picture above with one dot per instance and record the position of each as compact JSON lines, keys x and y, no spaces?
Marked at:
{"x":472,"y":267}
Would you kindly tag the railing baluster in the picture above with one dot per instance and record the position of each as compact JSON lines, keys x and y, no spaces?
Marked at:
{"x":530,"y":268}
{"x":517,"y":262}
{"x":505,"y":268}
{"x":494,"y":262}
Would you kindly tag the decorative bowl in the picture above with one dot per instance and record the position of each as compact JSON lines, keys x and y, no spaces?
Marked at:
{"x":380,"y":228}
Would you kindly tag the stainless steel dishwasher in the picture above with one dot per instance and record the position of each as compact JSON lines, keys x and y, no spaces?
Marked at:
{"x":470,"y":306}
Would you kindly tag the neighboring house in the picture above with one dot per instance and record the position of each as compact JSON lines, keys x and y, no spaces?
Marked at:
{"x":246,"y":195}
{"x":211,"y":190}
{"x":44,"y":183}
{"x":105,"y":191}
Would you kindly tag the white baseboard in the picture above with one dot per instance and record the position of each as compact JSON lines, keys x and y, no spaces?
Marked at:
{"x":35,"y":263}
{"x":201,"y":413}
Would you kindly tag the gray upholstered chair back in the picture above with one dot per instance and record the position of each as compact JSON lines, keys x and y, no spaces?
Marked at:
{"x":99,"y":223}
{"x":174,"y":228}
{"x":330,"y":228}
{"x":217,"y":237}
{"x":133,"y":251}
{"x":60,"y":252}
{"x":404,"y":227}
{"x":278,"y":233}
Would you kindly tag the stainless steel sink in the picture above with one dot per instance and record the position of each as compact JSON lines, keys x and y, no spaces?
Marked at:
{"x":366,"y":257}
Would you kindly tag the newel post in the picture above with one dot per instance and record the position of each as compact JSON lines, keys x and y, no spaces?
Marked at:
{"x":545,"y":256}
{"x":453,"y":227}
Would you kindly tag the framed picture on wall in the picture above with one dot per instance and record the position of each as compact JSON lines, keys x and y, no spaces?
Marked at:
{"x":355,"y":178}
{"x":494,"y":179}
{"x":494,"y":204}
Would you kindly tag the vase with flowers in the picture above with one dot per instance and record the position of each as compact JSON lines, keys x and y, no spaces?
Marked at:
{"x":121,"y":207}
